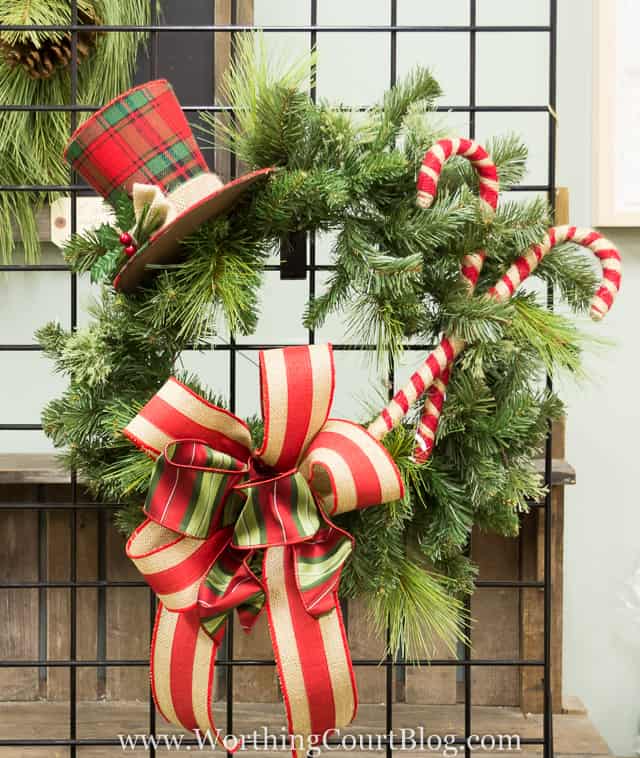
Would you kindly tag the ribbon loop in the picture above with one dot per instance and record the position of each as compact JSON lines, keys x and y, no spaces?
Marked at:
{"x":189,"y":487}
{"x":278,"y":511}
{"x":318,"y":565}
{"x":297,"y":386}
{"x":349,"y":469}
{"x":174,"y":565}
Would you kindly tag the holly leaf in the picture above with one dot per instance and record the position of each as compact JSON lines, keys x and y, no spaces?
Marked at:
{"x":123,"y":208}
{"x":105,"y":268}
{"x":108,"y":236}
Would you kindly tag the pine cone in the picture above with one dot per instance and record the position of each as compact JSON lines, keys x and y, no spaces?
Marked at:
{"x":42,"y":62}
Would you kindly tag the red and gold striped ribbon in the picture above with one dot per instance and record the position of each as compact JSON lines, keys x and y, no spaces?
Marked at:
{"x":213,"y":505}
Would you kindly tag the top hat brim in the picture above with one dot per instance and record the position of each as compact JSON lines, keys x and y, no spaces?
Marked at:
{"x":163,"y":246}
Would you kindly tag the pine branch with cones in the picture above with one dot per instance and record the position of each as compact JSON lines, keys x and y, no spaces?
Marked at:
{"x":42,"y":53}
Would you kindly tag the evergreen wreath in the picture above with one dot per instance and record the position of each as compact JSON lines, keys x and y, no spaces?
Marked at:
{"x":396,"y":277}
{"x":35,"y":70}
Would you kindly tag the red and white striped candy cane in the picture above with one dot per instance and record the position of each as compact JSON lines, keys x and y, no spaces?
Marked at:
{"x":605,"y":251}
{"x":478,"y":157}
{"x":438,"y":360}
{"x":471,"y":264}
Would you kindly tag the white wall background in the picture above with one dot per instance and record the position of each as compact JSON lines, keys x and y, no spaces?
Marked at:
{"x":602,"y":656}
{"x":602,"y":644}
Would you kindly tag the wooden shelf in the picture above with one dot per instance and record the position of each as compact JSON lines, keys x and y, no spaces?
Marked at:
{"x":44,"y":468}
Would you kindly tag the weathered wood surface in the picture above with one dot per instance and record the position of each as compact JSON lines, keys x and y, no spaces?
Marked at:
{"x":58,"y":603}
{"x":18,"y":607}
{"x":31,"y":468}
{"x":43,"y":224}
{"x":435,"y":685}
{"x":532,"y":538}
{"x":221,"y":60}
{"x":495,"y":613}
{"x":254,"y":683}
{"x":365,"y":645}
{"x":43,"y":468}
{"x":574,"y":735}
{"x":128,"y":625}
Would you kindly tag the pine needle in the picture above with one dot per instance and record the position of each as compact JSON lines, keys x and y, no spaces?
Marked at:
{"x":555,"y":338}
{"x":417,"y":614}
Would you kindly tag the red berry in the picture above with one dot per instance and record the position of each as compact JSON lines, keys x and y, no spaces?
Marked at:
{"x":125,"y":238}
{"x":130,"y":250}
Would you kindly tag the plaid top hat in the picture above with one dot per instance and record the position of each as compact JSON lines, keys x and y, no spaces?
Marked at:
{"x":142,"y":144}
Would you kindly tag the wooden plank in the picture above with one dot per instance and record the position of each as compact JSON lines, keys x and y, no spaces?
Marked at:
{"x":562,"y":473}
{"x":574,"y":735}
{"x":432,"y":686}
{"x":128,"y":620}
{"x":363,"y":643}
{"x":43,"y":468}
{"x":58,"y":600}
{"x":557,"y":595}
{"x":258,"y":684}
{"x":531,"y":620}
{"x":43,"y":224}
{"x":31,"y":468}
{"x":221,"y":59}
{"x":532,"y":602}
{"x":495,"y":614}
{"x":19,"y":607}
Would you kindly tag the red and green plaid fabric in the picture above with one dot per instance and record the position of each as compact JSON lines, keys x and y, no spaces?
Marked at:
{"x":141,"y":136}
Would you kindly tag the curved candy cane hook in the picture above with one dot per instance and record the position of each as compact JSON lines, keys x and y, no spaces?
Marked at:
{"x":435,"y":159}
{"x":439,"y":359}
{"x":471,"y":264}
{"x":604,"y":250}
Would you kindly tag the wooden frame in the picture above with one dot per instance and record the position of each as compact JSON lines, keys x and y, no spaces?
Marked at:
{"x":616,"y":87}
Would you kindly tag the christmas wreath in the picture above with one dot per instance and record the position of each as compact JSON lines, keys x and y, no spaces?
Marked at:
{"x":396,"y":278}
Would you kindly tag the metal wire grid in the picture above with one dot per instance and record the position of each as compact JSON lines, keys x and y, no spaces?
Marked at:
{"x":311,"y":269}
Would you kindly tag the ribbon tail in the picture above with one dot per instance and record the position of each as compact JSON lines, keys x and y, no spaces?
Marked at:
{"x":312,"y":654}
{"x":183,"y":659}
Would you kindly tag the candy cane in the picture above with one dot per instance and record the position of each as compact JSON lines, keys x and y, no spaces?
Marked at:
{"x":478,"y":157}
{"x":450,"y":347}
{"x":471,"y":264}
{"x":604,"y":250}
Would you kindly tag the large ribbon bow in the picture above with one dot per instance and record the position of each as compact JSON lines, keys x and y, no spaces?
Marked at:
{"x":229,"y":528}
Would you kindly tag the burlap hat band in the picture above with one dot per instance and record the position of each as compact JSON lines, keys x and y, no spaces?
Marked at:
{"x":194,"y":190}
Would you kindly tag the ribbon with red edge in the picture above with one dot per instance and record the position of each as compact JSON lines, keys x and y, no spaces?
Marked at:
{"x":230,"y":528}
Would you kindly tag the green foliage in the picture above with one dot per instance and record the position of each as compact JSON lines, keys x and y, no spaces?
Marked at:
{"x":31,"y":144}
{"x":38,"y":13}
{"x":416,"y":612}
{"x":396,"y":278}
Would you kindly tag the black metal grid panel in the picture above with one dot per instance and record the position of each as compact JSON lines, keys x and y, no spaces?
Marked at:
{"x":228,"y":662}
